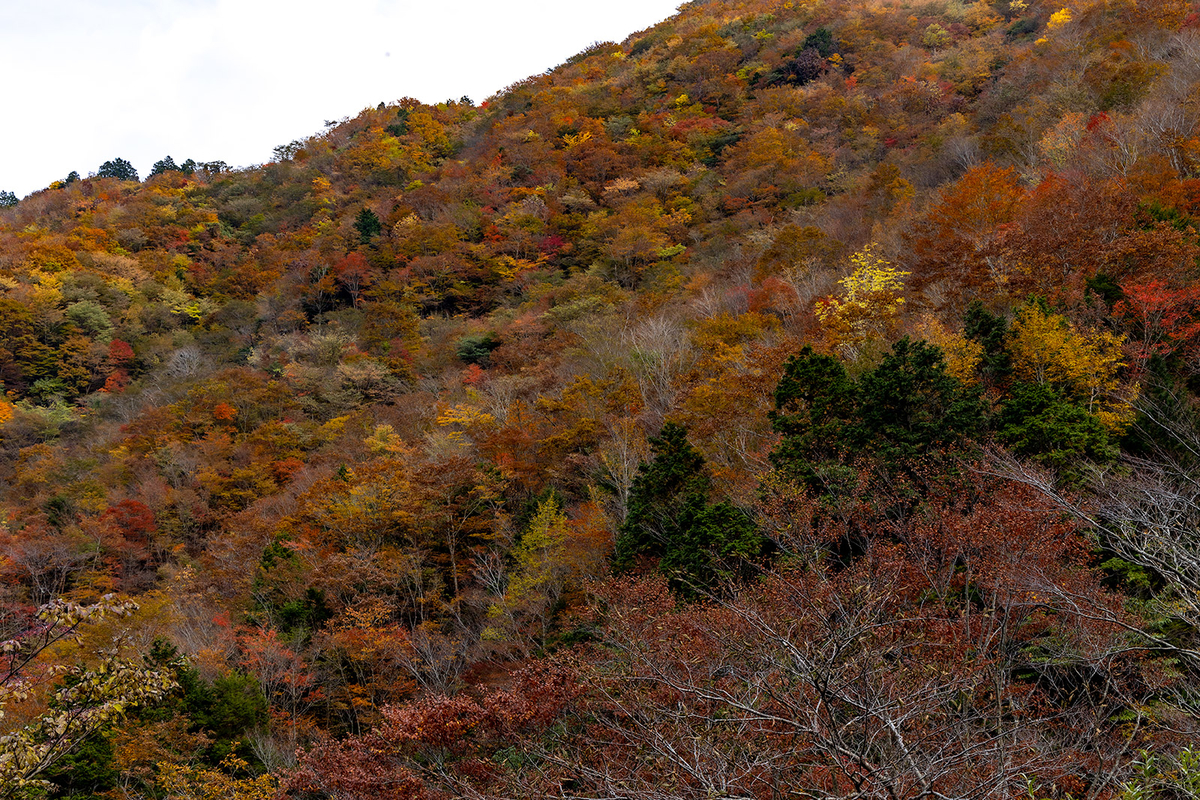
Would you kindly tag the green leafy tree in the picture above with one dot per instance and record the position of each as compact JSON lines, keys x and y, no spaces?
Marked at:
{"x":540,"y":571}
{"x":7,"y":199}
{"x":1158,"y":777}
{"x":1038,"y":421}
{"x":477,"y":349}
{"x":91,"y":318}
{"x":666,"y":495}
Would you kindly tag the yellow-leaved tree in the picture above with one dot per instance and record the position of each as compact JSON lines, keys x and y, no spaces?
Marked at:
{"x":1086,"y":366}
{"x":962,"y":354}
{"x":539,"y":574}
{"x":868,"y":305}
{"x":88,"y":699}
{"x":466,"y":418}
{"x":554,"y":553}
{"x":1059,"y":19}
{"x":183,"y":782}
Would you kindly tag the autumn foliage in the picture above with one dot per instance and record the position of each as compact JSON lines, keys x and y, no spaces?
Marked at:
{"x":790,"y":400}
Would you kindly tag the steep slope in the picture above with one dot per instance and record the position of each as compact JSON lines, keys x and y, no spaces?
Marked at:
{"x":359,"y":425}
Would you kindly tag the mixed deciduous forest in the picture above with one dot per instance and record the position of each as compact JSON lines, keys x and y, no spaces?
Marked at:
{"x":795,"y":400}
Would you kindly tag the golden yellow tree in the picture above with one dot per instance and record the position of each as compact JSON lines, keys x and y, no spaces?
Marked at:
{"x":962,"y":354}
{"x":868,"y":305}
{"x":540,"y":571}
{"x":183,"y":782}
{"x":467,"y":418}
{"x":554,"y":555}
{"x":1047,"y":349}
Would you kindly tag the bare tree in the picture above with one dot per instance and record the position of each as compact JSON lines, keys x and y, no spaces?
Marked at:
{"x":1145,"y":512}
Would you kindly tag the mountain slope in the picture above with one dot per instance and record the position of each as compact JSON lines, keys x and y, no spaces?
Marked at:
{"x":359,"y":427}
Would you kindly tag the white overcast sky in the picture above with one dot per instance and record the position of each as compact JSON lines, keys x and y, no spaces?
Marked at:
{"x":89,"y":80}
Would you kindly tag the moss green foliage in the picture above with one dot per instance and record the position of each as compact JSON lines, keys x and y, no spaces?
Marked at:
{"x":477,"y":349}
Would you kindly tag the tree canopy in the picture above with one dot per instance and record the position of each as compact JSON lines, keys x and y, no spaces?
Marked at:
{"x":791,"y":397}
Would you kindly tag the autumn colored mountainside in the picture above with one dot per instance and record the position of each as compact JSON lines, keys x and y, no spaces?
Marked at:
{"x":797,"y":399}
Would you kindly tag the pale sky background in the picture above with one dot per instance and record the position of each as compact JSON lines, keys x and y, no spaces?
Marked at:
{"x":89,"y":80}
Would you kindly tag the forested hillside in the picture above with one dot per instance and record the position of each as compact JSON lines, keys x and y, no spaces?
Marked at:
{"x":795,"y":400}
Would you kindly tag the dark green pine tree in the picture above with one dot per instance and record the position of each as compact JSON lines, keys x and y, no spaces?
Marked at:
{"x":164,"y":165}
{"x":118,"y":168}
{"x":820,"y":40}
{"x":905,"y":410}
{"x":815,"y":406}
{"x":698,"y":544}
{"x":367,"y":225}
{"x":88,"y":771}
{"x":667,"y":495}
{"x":909,"y":407}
